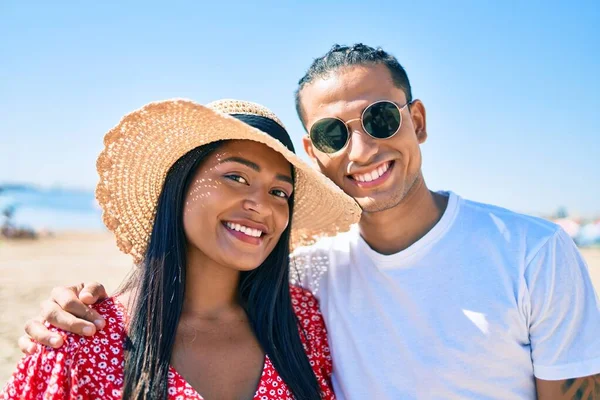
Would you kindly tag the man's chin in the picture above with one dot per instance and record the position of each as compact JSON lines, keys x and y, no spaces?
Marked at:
{"x":377,"y":204}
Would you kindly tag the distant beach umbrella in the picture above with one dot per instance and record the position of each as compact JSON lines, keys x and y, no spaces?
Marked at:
{"x":571,"y":227}
{"x":588,"y":235}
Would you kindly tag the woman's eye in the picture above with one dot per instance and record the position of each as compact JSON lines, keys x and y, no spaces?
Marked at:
{"x":237,"y":178}
{"x":280,"y":193}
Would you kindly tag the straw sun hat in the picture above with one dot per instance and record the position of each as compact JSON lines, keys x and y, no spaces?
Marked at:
{"x":141,"y":149}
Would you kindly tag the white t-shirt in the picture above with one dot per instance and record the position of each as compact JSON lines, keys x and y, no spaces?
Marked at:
{"x":483,"y":302}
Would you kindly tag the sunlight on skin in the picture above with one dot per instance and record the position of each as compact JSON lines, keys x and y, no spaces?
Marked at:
{"x":200,"y":190}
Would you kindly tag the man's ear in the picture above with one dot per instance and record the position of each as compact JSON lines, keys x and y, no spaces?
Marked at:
{"x":419,"y":120}
{"x":308,"y":147}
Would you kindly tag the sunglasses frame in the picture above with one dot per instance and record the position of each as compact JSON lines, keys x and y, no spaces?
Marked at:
{"x":362,"y":118}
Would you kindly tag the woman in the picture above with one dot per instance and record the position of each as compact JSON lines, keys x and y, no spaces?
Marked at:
{"x":203,"y":198}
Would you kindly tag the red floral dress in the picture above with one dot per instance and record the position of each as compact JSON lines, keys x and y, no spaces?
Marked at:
{"x":92,"y":367}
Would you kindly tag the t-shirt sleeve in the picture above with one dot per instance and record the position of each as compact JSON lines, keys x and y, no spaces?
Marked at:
{"x":564,"y":315}
{"x":47,"y":374}
{"x":308,"y":267}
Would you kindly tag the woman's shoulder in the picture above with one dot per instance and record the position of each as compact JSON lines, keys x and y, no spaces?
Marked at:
{"x":313,"y":334}
{"x":113,"y":334}
{"x":113,"y":312}
{"x":306,"y":308}
{"x":101,"y":356}
{"x":104,"y":340}
{"x":82,"y":365}
{"x":303,"y":301}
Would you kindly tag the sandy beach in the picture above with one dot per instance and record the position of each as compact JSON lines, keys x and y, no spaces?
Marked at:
{"x":30,"y":269}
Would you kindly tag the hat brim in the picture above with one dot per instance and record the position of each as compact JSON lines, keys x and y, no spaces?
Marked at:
{"x":144,"y":145}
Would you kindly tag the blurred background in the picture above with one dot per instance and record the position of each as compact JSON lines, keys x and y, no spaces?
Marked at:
{"x":511,"y":91}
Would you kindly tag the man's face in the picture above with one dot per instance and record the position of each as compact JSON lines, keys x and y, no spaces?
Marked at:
{"x":344,"y":94}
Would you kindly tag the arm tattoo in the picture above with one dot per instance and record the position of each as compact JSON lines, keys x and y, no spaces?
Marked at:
{"x":586,"y":388}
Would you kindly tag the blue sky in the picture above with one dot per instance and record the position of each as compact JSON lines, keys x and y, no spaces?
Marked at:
{"x":511,"y":89}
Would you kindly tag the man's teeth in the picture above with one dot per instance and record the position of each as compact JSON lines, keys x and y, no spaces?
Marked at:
{"x":371,"y":176}
{"x":244,"y":229}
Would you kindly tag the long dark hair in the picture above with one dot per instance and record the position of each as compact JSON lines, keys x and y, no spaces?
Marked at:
{"x":159,"y":284}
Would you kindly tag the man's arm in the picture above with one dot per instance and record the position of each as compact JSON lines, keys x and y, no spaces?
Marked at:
{"x":68,"y":310}
{"x":564,"y":322}
{"x":586,"y":388}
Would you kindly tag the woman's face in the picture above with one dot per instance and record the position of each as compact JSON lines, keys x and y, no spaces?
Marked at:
{"x":237,"y":205}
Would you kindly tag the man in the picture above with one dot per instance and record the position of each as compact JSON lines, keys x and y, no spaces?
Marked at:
{"x":431,"y":295}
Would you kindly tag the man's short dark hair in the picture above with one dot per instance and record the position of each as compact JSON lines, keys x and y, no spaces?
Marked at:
{"x":345,"y":56}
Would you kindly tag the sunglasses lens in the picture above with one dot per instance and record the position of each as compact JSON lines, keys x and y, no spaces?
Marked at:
{"x":329,"y":135}
{"x":382,"y":120}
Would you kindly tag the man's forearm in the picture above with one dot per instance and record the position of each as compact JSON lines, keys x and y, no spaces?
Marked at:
{"x":585,"y":388}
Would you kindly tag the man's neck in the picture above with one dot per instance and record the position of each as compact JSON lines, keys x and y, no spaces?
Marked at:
{"x":396,"y":229}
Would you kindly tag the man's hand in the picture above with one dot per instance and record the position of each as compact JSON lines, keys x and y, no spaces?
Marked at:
{"x":68,"y":310}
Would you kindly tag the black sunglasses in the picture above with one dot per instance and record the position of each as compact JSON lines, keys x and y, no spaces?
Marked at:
{"x":381,"y":120}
